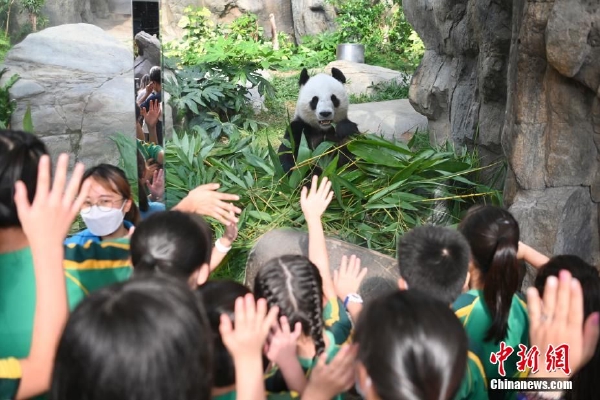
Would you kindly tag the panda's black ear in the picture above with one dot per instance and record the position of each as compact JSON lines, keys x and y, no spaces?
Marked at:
{"x":303,"y":77}
{"x":337,"y":74}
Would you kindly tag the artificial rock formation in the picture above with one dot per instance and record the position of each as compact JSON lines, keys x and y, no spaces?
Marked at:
{"x":521,"y":80}
{"x":78,"y":81}
{"x":149,"y":53}
{"x":294,"y":17}
{"x":382,"y":272}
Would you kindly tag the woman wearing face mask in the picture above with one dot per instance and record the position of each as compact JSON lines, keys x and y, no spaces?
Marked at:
{"x":109,"y":211}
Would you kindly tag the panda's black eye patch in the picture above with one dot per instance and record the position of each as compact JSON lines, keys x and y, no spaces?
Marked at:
{"x":335,"y":101}
{"x":313,"y":103}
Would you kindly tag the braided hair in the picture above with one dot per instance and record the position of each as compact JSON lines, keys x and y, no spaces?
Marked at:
{"x":294,"y":284}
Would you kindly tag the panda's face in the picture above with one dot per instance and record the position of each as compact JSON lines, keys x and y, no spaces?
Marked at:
{"x":322,"y":101}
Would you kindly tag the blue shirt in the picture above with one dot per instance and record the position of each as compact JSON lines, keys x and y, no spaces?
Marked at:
{"x":81,"y":238}
{"x":153,"y":207}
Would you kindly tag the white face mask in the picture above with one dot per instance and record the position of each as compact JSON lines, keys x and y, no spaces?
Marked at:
{"x":103,"y":223}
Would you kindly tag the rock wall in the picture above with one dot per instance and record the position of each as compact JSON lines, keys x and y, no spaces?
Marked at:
{"x":78,"y":81}
{"x":521,"y":79}
{"x":294,"y":17}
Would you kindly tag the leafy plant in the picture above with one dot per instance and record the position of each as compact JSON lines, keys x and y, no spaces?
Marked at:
{"x":34,"y":8}
{"x":127,"y":148}
{"x":4,"y":46}
{"x":7,"y":106}
{"x":386,"y":191}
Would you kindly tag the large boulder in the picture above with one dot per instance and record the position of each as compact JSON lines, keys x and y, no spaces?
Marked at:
{"x":360,"y":78}
{"x":294,"y":17}
{"x":149,"y":53}
{"x":78,"y":81}
{"x":382,"y":273}
{"x":520,"y":79}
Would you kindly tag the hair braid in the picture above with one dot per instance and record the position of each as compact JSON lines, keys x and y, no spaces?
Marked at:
{"x":316,"y":319}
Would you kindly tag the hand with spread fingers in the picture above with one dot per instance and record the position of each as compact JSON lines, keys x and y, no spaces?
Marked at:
{"x":348,"y":278}
{"x":245,"y":343}
{"x":205,"y":200}
{"x":156,"y":187}
{"x":314,"y":201}
{"x":558,"y":320}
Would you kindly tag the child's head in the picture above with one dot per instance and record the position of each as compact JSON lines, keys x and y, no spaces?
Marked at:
{"x":294,"y":284}
{"x":434,"y":260}
{"x":219,"y":298}
{"x":109,"y":202}
{"x":410,"y":346}
{"x":144,"y":81}
{"x":20,"y":153}
{"x":147,"y":338}
{"x":156,"y":77}
{"x":173,"y":243}
{"x":493,"y":235}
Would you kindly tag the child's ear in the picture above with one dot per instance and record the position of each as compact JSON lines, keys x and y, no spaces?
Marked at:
{"x":402,"y":285}
{"x":203,"y":273}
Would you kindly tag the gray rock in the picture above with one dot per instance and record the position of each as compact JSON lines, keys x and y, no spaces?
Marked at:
{"x":361,"y":77}
{"x":394,"y":119}
{"x":520,"y":79}
{"x":382,"y":270}
{"x":149,"y":53}
{"x":78,"y":100}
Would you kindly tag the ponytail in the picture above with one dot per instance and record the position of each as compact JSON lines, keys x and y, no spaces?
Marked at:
{"x":500,"y":284}
{"x":493,"y":235}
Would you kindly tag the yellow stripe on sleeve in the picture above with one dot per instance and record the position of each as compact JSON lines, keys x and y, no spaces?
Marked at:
{"x":10,"y":368}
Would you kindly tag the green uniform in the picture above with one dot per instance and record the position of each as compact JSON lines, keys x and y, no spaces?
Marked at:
{"x":470,"y":308}
{"x":337,"y":321}
{"x":10,"y":377}
{"x":87,"y":268}
{"x":149,"y":150}
{"x":474,"y":385}
{"x":279,"y":396}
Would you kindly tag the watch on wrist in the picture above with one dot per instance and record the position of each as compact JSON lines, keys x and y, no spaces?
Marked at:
{"x":352,"y":298}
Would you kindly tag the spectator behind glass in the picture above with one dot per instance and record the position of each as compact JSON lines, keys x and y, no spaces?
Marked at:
{"x":173,"y":243}
{"x":149,"y":203}
{"x":410,"y":346}
{"x":153,"y":93}
{"x":144,"y":82}
{"x":147,"y":338}
{"x":492,"y":311}
{"x":585,"y":382}
{"x":109,"y":211}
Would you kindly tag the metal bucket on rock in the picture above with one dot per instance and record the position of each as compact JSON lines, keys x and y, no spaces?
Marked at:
{"x":351,"y":52}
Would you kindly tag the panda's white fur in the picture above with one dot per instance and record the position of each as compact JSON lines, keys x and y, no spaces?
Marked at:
{"x":323,"y":87}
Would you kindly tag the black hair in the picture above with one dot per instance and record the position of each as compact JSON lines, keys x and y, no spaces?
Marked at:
{"x":294,"y":284}
{"x":20,"y":153}
{"x":147,"y":338}
{"x":219,"y":298}
{"x":155,"y":75}
{"x":585,"y":381}
{"x":171,"y":242}
{"x":142,"y":193}
{"x":434,"y":260}
{"x":493,"y":234}
{"x":412,"y":346}
{"x":114,"y":178}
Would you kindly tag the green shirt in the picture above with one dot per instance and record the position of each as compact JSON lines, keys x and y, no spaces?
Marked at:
{"x":87,"y":268}
{"x":474,"y":385}
{"x":149,"y":150}
{"x":470,"y":308}
{"x":10,"y":377}
{"x":337,"y":321}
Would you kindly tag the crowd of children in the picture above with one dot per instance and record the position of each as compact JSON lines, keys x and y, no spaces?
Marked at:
{"x":126,"y":309}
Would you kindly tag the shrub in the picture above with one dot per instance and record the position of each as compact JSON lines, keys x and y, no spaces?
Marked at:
{"x":7,"y":106}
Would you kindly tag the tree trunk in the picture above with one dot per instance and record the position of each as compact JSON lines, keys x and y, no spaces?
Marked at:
{"x":33,"y":19}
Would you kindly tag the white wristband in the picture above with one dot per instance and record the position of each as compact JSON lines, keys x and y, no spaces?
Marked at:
{"x":221,"y":248}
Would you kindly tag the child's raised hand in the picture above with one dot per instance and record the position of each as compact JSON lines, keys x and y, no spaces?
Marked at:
{"x":231,"y":232}
{"x":348,"y":278}
{"x":53,"y":210}
{"x":559,"y":319}
{"x":314,"y":202}
{"x":252,"y":326}
{"x":283,"y":342}
{"x":157,"y":186}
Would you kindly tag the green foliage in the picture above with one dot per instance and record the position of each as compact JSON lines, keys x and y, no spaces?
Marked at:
{"x":7,"y":106}
{"x":359,"y":21}
{"x":387,"y":191}
{"x":127,"y":147}
{"x":4,"y":46}
{"x":28,"y":121}
{"x":383,"y":91}
{"x":33,"y":6}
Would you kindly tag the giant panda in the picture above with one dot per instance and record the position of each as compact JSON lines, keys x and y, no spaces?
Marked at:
{"x":321,"y":115}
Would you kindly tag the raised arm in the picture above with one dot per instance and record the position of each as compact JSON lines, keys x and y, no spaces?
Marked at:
{"x":314,"y":202}
{"x":46,"y":223}
{"x":223,"y":244}
{"x":205,"y":200}
{"x":531,"y":255}
{"x":347,"y":282}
